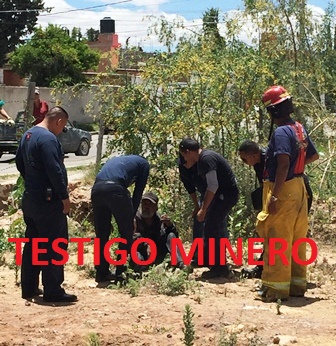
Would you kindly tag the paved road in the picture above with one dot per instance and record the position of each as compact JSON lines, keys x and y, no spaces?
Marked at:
{"x":7,"y":164}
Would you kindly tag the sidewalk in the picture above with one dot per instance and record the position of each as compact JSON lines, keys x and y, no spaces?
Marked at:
{"x":12,"y":178}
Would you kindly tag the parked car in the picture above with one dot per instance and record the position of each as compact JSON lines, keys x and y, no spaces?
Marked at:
{"x":75,"y":140}
{"x":72,"y":139}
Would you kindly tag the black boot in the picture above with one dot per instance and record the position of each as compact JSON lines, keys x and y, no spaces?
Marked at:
{"x":254,"y":273}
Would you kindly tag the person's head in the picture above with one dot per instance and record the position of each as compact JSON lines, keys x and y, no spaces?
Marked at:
{"x":37,"y":94}
{"x":56,"y":119}
{"x":249,"y":152}
{"x":189,"y":149}
{"x":278,"y":103}
{"x":149,"y":205}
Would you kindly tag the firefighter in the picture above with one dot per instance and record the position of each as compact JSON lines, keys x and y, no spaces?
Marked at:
{"x":285,"y":210}
{"x":253,"y":155}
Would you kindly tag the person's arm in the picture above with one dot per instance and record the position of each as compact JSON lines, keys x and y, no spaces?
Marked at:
{"x":4,"y":114}
{"x":55,"y":172}
{"x":311,"y":154}
{"x":212,"y":187}
{"x":140,"y":185}
{"x":194,"y":198}
{"x":280,"y":178}
{"x":19,"y":161}
{"x":311,"y":159}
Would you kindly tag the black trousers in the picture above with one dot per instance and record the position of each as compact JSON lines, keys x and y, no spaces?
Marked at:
{"x":44,"y":219}
{"x":215,"y":224}
{"x":111,"y":199}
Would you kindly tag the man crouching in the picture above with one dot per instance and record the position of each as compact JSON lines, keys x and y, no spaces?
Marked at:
{"x":160,"y":229}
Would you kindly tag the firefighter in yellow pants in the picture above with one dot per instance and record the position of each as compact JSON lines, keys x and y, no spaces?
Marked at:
{"x":290,"y":223}
{"x":284,"y":214}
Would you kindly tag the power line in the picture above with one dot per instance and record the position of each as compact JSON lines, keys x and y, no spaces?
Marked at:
{"x":86,"y":8}
{"x":67,"y":11}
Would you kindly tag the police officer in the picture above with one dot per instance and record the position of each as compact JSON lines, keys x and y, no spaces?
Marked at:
{"x":45,"y":205}
{"x":110,"y":197}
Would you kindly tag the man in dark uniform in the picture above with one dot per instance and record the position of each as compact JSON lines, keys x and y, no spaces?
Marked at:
{"x":194,"y":184}
{"x":253,"y":155}
{"x":159,"y":228}
{"x":45,"y":204}
{"x":220,"y":196}
{"x":110,"y":197}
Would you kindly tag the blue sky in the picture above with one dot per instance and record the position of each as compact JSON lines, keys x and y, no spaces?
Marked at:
{"x":131,"y":16}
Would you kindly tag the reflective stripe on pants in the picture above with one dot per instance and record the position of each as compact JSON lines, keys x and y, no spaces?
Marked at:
{"x":289,"y":223}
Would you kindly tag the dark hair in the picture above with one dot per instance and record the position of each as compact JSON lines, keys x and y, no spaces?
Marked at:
{"x":249,"y":147}
{"x":57,"y":112}
{"x":189,"y":144}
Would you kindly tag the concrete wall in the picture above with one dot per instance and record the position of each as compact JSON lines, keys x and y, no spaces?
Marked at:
{"x":75,"y":105}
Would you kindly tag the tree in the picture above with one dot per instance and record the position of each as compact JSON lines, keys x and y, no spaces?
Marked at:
{"x":210,"y":26}
{"x":17,"y":19}
{"x":76,"y":34}
{"x":92,"y":35}
{"x":52,"y":57}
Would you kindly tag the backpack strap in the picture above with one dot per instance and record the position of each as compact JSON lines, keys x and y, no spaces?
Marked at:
{"x":300,"y":137}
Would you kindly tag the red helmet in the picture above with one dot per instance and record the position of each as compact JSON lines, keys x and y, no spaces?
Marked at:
{"x":274,"y":95}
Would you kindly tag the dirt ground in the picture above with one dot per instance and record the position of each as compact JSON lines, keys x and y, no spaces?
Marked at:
{"x":221,"y":308}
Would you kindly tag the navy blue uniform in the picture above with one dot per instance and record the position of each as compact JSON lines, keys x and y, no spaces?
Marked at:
{"x":39,"y":159}
{"x":110,"y":196}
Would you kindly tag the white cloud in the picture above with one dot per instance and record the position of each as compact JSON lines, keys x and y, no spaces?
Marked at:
{"x":133,"y":24}
{"x":128,"y":23}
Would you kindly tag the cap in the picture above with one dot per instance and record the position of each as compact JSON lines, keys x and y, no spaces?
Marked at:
{"x":37,"y":90}
{"x":151,"y":196}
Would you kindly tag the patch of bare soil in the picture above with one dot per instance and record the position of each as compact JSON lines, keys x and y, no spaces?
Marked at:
{"x":104,"y":316}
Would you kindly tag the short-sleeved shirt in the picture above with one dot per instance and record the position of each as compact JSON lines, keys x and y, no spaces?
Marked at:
{"x":211,"y":161}
{"x":126,"y":170}
{"x":39,"y":159}
{"x":284,"y":141}
{"x":40,"y":112}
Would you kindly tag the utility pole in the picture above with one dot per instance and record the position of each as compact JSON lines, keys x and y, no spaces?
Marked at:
{"x":30,"y":104}
{"x":100,"y":141}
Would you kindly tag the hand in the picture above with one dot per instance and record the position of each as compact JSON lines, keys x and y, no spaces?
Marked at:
{"x":195,"y":211}
{"x":272,"y":207}
{"x":148,"y":250}
{"x":165,"y":219}
{"x":10,"y":122}
{"x":201,"y":215}
{"x":66,"y":206}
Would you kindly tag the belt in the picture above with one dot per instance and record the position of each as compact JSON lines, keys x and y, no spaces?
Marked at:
{"x":108,"y":182}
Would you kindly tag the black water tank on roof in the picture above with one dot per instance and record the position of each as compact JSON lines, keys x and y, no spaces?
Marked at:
{"x":107,"y":25}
